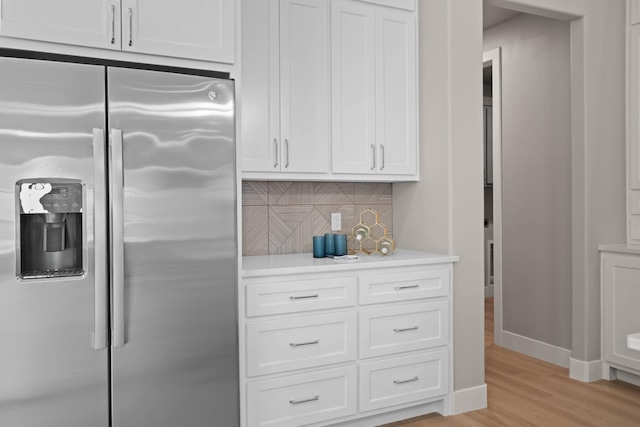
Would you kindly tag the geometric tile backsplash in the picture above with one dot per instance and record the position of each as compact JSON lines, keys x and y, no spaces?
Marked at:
{"x":281,"y":217}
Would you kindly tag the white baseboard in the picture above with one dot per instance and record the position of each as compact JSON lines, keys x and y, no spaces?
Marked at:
{"x":470,"y":399}
{"x":585,"y":371}
{"x":538,"y":349}
{"x":488,"y":291}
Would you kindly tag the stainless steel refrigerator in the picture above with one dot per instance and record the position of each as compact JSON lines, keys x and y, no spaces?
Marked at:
{"x":118,"y":256}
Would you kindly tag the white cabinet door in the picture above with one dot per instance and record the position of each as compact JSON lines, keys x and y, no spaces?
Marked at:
{"x":621,"y":317}
{"x":396,"y":132}
{"x":633,"y":132}
{"x":374,"y":100}
{"x":197,"y":29}
{"x":259,"y":103}
{"x":93,"y":23}
{"x":353,"y":87}
{"x":285,"y":86}
{"x":304,"y":85}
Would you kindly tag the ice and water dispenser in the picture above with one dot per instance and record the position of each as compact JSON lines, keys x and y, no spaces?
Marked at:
{"x":49,"y":238}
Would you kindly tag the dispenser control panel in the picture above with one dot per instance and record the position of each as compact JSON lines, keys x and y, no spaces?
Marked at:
{"x":50,"y":197}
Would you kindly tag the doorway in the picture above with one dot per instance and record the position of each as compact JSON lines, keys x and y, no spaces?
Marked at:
{"x":530,"y":60}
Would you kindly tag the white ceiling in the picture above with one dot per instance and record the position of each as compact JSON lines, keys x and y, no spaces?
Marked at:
{"x":493,"y":16}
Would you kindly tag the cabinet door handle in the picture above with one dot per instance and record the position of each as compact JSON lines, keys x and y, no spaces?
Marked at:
{"x":373,"y":156}
{"x":381,"y":156}
{"x":300,"y":344}
{"x":410,"y":380}
{"x":293,"y":297}
{"x":113,"y":24}
{"x":275,"y":153}
{"x":311,"y":399}
{"x":412,"y":328}
{"x":130,"y":27}
{"x":401,"y":287}
{"x":286,"y":147}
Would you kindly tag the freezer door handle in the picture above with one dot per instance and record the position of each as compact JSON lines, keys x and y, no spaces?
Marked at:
{"x":100,"y":240}
{"x":117,"y":237}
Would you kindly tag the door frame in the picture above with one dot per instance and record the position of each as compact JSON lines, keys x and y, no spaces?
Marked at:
{"x":493,"y":59}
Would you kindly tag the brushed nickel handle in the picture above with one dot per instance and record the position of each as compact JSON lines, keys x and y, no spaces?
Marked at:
{"x":311,"y":399}
{"x":100,"y":238}
{"x":300,"y":344}
{"x":113,"y":24}
{"x":286,"y":146}
{"x":412,"y":328}
{"x":275,"y":151}
{"x":130,"y":27}
{"x":373,"y":156}
{"x":401,"y":287}
{"x":381,"y":156}
{"x":117,"y":236}
{"x":410,"y":380}
{"x":293,"y":297}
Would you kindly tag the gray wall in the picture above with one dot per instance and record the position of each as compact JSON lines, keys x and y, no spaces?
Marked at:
{"x":443,"y":212}
{"x":536,"y":174}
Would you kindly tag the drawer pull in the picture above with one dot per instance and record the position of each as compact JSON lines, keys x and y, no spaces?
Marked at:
{"x":400,"y":288}
{"x":413,"y":328}
{"x":293,"y":298}
{"x":299,"y":344}
{"x":410,"y":380}
{"x":311,"y":399}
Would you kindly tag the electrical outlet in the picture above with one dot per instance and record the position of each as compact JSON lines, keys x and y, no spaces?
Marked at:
{"x":336,"y":221}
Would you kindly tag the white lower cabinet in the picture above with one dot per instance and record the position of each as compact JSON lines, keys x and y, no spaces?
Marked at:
{"x":400,"y":328}
{"x":401,"y":380}
{"x":297,"y":400}
{"x":621,"y":310}
{"x":364,"y":344}
{"x":304,"y":342}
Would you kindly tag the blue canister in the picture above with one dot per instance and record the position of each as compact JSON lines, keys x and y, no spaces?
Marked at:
{"x":318,"y":247}
{"x":330,"y":244}
{"x":341,"y":244}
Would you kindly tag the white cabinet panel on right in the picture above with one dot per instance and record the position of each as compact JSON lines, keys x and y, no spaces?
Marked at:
{"x":373,"y":78}
{"x":621,"y":310}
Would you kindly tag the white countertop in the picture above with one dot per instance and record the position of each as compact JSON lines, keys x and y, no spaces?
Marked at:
{"x":270,"y":265}
{"x":621,"y":248}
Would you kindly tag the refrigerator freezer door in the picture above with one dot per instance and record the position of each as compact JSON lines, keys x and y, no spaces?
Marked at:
{"x":50,"y":375}
{"x":178,"y":364}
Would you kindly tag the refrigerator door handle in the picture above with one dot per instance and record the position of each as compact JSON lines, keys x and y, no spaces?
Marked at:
{"x":100,"y":240}
{"x":117,"y":237}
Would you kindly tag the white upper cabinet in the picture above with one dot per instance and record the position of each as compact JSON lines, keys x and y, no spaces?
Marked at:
{"x":285,"y":87}
{"x":194,"y":29}
{"x":353,"y":88}
{"x":79,"y":22}
{"x":374,"y":100}
{"x":304,"y":85}
{"x":399,"y":4}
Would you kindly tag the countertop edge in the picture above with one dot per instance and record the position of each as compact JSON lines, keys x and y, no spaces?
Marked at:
{"x":273,"y":265}
{"x":622,"y":248}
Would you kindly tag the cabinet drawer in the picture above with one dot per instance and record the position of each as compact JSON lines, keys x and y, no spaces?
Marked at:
{"x":302,"y":342}
{"x":292,"y":297}
{"x":404,"y":286}
{"x":403,"y":380}
{"x":402,"y":328}
{"x":302,"y":399}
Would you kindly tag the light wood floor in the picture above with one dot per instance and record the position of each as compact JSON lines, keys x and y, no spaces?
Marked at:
{"x":523,"y":391}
